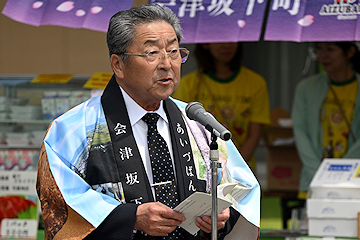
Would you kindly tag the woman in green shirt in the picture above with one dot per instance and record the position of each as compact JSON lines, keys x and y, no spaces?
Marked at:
{"x":326,"y":110}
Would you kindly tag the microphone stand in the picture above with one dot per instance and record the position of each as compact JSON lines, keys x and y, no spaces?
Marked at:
{"x":215,"y":164}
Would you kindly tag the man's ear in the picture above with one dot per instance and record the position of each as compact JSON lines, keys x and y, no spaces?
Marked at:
{"x":117,"y":65}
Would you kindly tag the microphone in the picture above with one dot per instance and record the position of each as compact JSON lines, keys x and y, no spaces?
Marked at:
{"x":195,"y":111}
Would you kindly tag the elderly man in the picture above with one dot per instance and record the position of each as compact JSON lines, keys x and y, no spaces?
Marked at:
{"x":115,"y":166}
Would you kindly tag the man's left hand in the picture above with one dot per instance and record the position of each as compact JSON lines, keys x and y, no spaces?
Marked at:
{"x":204,"y":223}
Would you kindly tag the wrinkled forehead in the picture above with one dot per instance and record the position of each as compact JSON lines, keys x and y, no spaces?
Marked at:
{"x":155,"y":32}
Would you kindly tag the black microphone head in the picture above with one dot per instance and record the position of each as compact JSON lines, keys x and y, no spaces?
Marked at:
{"x":195,"y":111}
{"x":192,"y":109}
{"x":226,"y":135}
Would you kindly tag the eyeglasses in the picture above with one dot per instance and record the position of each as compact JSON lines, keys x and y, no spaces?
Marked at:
{"x":155,"y":57}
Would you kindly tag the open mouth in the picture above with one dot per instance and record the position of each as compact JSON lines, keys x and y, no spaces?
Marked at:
{"x":165,"y":80}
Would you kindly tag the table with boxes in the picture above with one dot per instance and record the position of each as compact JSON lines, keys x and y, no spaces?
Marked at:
{"x":333,"y":205}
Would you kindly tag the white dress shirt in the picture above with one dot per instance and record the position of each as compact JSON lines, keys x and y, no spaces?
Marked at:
{"x":139,"y":128}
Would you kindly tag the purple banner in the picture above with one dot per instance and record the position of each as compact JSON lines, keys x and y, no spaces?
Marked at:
{"x":313,"y":20}
{"x":88,"y":14}
{"x":219,"y":20}
{"x":201,"y":20}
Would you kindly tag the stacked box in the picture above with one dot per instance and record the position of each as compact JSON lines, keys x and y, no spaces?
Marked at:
{"x":283,"y":163}
{"x":334,"y":199}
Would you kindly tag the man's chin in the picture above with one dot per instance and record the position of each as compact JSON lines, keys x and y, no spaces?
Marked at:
{"x":166,"y":94}
{"x":165,"y":97}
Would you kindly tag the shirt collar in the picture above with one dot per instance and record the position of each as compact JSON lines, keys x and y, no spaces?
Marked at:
{"x":136,"y":112}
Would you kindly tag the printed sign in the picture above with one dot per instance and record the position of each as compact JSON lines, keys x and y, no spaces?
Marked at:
{"x":201,"y":20}
{"x":98,"y":80}
{"x":310,"y":21}
{"x":18,"y":199}
{"x":52,"y":78}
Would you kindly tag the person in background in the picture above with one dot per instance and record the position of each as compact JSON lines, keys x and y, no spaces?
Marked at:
{"x":100,"y":173}
{"x":326,"y":110}
{"x":237,"y":96}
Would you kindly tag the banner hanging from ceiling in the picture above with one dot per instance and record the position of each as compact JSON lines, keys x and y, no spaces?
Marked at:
{"x":313,"y":20}
{"x":201,"y":20}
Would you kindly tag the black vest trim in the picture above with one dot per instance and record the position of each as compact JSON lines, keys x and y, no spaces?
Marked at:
{"x":135,"y":185}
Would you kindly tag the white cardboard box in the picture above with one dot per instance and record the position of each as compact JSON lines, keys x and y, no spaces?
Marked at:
{"x":333,"y":227}
{"x":333,"y":208}
{"x":337,"y":179}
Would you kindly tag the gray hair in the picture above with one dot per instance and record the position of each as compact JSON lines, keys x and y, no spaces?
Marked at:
{"x":121,"y":31}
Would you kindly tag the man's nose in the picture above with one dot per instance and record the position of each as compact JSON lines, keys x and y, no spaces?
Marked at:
{"x":165,"y":61}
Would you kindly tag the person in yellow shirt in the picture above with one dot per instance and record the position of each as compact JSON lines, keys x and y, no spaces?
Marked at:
{"x":237,"y":96}
{"x":326,"y":110}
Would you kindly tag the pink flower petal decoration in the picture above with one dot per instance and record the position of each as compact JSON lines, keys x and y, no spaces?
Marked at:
{"x":80,"y":13}
{"x":37,"y":4}
{"x":65,"y":6}
{"x":241,"y":23}
{"x":96,"y":9}
{"x":306,"y":21}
